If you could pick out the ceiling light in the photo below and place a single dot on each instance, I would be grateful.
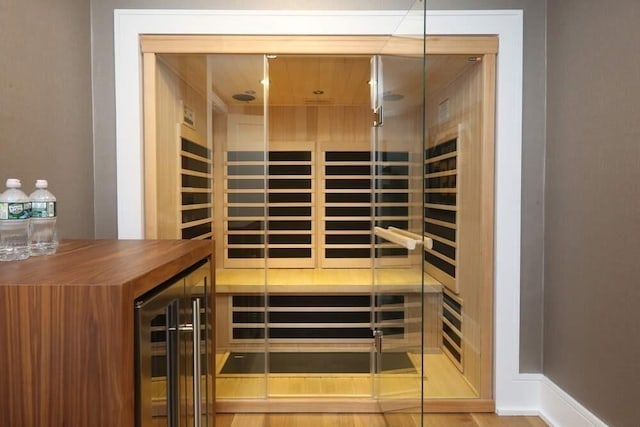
(245, 97)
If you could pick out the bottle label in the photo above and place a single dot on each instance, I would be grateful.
(15, 210)
(43, 209)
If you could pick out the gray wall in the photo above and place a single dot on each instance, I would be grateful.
(45, 104)
(533, 123)
(592, 214)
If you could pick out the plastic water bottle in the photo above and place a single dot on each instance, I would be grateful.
(15, 210)
(44, 239)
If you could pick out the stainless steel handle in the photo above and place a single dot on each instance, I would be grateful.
(172, 400)
(173, 386)
(197, 412)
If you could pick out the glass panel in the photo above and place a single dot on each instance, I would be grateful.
(398, 273)
(319, 244)
(239, 133)
(398, 290)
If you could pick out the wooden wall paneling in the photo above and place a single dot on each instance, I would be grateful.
(345, 125)
(172, 94)
(294, 123)
(466, 97)
(192, 81)
(312, 126)
(340, 128)
(150, 146)
(167, 136)
(452, 327)
(432, 306)
(291, 129)
(441, 167)
(350, 252)
(290, 123)
(487, 223)
(470, 267)
(219, 124)
(189, 72)
(245, 138)
(195, 196)
(190, 68)
(193, 97)
(223, 322)
(245, 132)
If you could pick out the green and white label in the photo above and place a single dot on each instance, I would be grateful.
(15, 210)
(43, 209)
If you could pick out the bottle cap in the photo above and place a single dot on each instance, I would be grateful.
(42, 183)
(13, 183)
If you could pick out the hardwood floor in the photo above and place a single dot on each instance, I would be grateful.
(374, 420)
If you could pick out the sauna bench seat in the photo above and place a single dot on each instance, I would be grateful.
(319, 281)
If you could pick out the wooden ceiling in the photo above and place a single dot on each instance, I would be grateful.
(320, 80)
(314, 80)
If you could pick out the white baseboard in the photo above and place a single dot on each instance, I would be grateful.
(559, 409)
(538, 396)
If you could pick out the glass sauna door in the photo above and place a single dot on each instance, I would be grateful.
(239, 132)
(397, 301)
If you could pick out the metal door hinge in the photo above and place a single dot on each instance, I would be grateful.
(376, 117)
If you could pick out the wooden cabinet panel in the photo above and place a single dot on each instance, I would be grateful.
(67, 332)
(59, 352)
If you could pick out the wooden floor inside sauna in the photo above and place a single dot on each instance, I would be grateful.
(441, 380)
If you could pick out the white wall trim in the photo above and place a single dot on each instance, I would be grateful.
(514, 393)
(559, 409)
(548, 401)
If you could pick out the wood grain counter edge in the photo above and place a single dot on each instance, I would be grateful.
(137, 265)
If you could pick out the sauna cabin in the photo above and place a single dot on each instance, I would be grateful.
(347, 198)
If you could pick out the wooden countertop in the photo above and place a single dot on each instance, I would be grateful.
(136, 264)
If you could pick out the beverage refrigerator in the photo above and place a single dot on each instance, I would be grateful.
(174, 350)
